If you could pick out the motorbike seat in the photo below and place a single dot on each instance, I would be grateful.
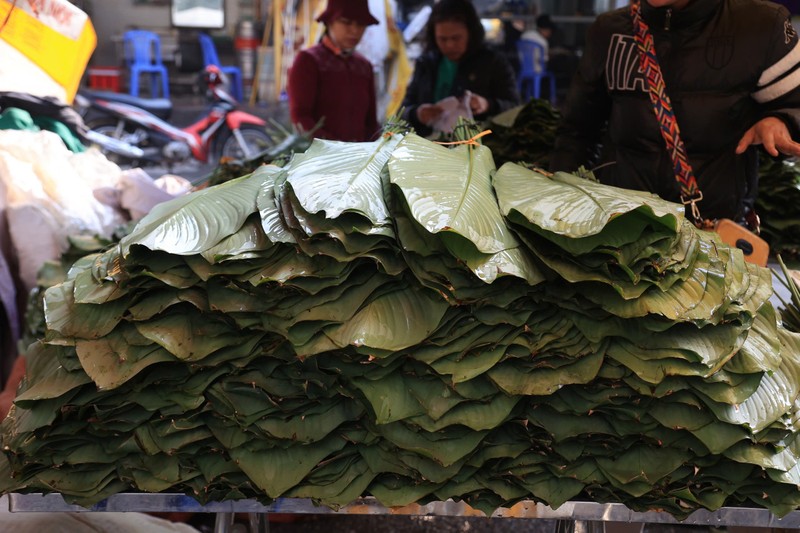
(160, 107)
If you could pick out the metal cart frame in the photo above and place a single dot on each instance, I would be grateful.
(572, 516)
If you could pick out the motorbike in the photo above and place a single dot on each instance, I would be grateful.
(135, 131)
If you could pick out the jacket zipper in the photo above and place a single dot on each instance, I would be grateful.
(668, 19)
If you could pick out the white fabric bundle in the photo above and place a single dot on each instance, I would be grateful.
(50, 193)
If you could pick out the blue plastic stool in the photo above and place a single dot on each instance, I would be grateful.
(533, 69)
(210, 57)
(143, 56)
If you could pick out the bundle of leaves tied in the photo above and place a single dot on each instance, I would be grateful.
(526, 133)
(778, 198)
(403, 320)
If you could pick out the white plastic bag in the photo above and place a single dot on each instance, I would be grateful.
(452, 109)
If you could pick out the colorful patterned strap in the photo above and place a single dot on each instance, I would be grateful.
(648, 61)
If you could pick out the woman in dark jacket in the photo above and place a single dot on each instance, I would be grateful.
(455, 61)
(732, 72)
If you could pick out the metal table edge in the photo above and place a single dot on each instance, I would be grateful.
(573, 510)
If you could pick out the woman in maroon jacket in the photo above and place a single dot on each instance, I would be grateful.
(331, 81)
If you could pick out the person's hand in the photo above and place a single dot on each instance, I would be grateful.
(478, 104)
(773, 133)
(428, 113)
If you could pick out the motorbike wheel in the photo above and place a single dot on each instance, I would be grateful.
(256, 140)
(109, 126)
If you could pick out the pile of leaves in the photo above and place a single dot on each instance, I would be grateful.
(54, 272)
(525, 133)
(404, 320)
(778, 198)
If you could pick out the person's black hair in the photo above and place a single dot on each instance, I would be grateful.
(455, 11)
(545, 22)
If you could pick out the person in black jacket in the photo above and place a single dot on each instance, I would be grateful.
(455, 61)
(732, 71)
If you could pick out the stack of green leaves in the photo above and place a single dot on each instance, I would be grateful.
(525, 133)
(401, 319)
(54, 272)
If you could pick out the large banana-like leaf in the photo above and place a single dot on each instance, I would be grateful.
(711, 346)
(465, 367)
(244, 244)
(488, 267)
(454, 197)
(643, 464)
(156, 302)
(556, 491)
(337, 177)
(355, 232)
(276, 470)
(397, 492)
(699, 297)
(474, 415)
(268, 208)
(450, 189)
(545, 380)
(111, 361)
(86, 321)
(573, 206)
(750, 452)
(93, 282)
(446, 447)
(339, 482)
(311, 427)
(52, 382)
(620, 237)
(761, 350)
(389, 398)
(190, 336)
(394, 321)
(438, 398)
(775, 395)
(198, 221)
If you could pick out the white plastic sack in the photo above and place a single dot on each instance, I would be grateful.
(62, 183)
(47, 193)
(95, 168)
(137, 193)
(374, 45)
(37, 237)
(88, 523)
(452, 109)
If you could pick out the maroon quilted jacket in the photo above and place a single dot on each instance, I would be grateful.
(325, 83)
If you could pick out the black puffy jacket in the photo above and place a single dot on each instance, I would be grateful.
(484, 72)
(726, 64)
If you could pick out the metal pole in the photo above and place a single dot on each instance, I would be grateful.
(224, 522)
(579, 526)
(259, 522)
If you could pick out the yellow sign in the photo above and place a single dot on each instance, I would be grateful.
(53, 34)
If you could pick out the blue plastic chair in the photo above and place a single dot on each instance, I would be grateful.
(210, 57)
(533, 69)
(143, 56)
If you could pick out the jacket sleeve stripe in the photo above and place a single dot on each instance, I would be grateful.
(779, 88)
(779, 69)
(781, 78)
